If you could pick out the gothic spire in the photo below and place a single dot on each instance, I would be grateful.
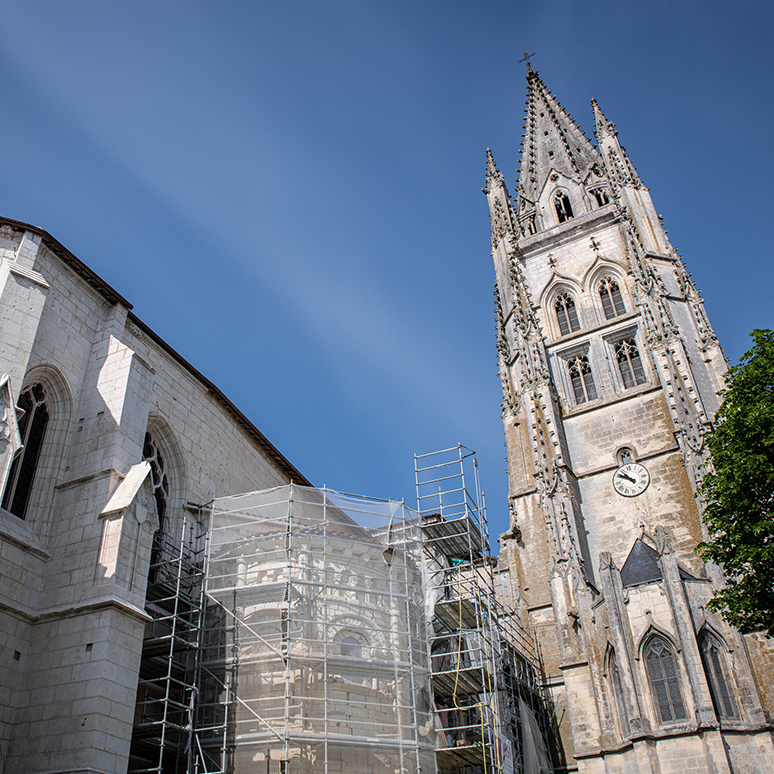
(493, 174)
(552, 142)
(619, 168)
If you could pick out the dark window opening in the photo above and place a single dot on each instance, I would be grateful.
(582, 380)
(600, 194)
(664, 680)
(32, 428)
(712, 658)
(629, 363)
(566, 314)
(612, 300)
(562, 206)
(159, 480)
(350, 646)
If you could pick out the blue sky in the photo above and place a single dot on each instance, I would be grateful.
(289, 193)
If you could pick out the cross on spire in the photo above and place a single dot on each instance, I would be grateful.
(526, 58)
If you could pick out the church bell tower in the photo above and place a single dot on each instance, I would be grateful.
(610, 371)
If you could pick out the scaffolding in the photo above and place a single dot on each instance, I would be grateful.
(485, 668)
(162, 735)
(315, 659)
(316, 632)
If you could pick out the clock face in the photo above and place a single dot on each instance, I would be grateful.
(631, 479)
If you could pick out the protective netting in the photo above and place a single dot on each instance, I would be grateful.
(315, 657)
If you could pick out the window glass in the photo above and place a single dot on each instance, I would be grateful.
(664, 680)
(612, 300)
(32, 428)
(629, 363)
(582, 379)
(566, 314)
(712, 658)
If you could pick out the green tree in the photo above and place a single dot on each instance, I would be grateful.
(738, 490)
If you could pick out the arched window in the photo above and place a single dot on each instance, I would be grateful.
(159, 479)
(600, 196)
(612, 300)
(562, 206)
(664, 680)
(351, 646)
(617, 688)
(629, 363)
(566, 314)
(712, 658)
(32, 428)
(581, 378)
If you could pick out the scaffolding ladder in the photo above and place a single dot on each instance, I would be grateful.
(485, 667)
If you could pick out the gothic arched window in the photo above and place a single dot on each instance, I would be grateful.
(32, 428)
(612, 300)
(562, 206)
(629, 363)
(566, 314)
(617, 688)
(581, 378)
(712, 658)
(664, 680)
(600, 196)
(159, 479)
(351, 646)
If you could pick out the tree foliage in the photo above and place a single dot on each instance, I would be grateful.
(738, 490)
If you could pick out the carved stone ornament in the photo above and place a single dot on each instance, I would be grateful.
(10, 439)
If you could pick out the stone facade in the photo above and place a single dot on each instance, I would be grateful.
(610, 372)
(75, 547)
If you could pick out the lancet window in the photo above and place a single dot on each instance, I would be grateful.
(582, 379)
(32, 428)
(562, 206)
(600, 196)
(612, 300)
(629, 363)
(712, 658)
(159, 479)
(566, 314)
(664, 680)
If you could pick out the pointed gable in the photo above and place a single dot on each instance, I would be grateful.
(641, 566)
(552, 141)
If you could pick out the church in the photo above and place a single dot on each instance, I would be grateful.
(610, 371)
(115, 448)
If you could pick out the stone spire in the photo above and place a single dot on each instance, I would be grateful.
(552, 142)
(619, 168)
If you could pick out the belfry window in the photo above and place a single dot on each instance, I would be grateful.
(629, 363)
(582, 380)
(601, 197)
(562, 206)
(32, 428)
(664, 680)
(159, 480)
(612, 300)
(566, 314)
(712, 658)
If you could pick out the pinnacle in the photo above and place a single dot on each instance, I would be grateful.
(493, 174)
(553, 142)
(601, 124)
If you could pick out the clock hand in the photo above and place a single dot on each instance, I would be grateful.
(628, 478)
